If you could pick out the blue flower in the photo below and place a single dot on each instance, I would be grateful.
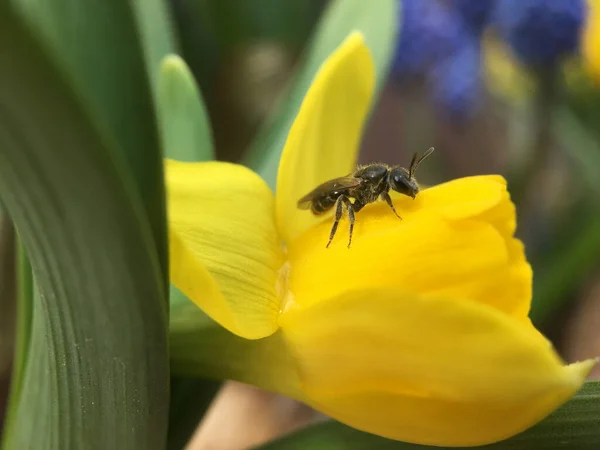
(429, 31)
(456, 81)
(441, 41)
(475, 13)
(540, 32)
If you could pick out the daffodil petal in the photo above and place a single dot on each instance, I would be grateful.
(483, 197)
(323, 142)
(455, 240)
(224, 248)
(424, 369)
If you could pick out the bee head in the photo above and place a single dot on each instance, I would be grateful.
(402, 180)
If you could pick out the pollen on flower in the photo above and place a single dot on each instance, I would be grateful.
(282, 287)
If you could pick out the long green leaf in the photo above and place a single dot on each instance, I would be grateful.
(96, 374)
(575, 426)
(98, 47)
(379, 25)
(157, 35)
(184, 122)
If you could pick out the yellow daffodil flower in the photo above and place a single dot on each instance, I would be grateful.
(418, 332)
(591, 40)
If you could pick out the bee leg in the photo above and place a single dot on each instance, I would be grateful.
(350, 207)
(385, 196)
(339, 205)
(357, 206)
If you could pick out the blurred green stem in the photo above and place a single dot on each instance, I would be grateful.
(190, 399)
(544, 102)
(568, 265)
(574, 250)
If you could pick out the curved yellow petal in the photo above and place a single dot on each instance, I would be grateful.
(455, 240)
(324, 140)
(426, 369)
(224, 248)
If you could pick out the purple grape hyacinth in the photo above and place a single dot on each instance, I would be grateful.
(429, 31)
(540, 32)
(457, 82)
(475, 13)
(435, 42)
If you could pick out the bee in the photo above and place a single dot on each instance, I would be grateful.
(363, 186)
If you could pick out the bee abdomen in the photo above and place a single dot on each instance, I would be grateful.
(323, 204)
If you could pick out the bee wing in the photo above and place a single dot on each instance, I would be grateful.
(305, 202)
(329, 187)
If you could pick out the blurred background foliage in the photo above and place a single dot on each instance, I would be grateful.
(498, 86)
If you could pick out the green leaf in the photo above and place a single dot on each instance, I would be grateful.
(157, 36)
(378, 24)
(183, 118)
(99, 49)
(575, 426)
(96, 374)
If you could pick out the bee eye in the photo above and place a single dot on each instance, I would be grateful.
(398, 179)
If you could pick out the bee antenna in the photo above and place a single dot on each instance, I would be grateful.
(415, 163)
